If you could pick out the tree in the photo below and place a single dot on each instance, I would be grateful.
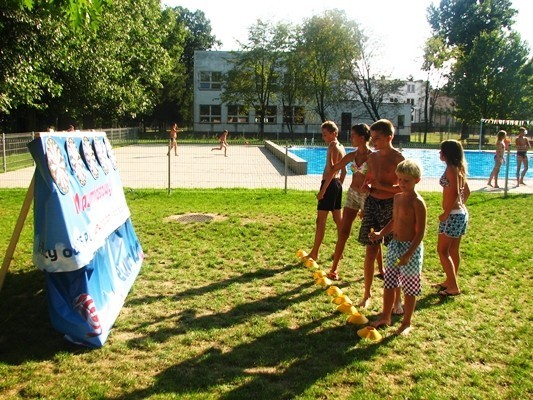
(184, 33)
(361, 79)
(78, 12)
(489, 75)
(460, 22)
(491, 81)
(328, 42)
(437, 64)
(254, 77)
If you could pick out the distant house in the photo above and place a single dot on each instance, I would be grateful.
(212, 116)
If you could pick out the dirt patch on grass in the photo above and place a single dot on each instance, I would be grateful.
(190, 218)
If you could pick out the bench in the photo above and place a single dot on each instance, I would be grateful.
(296, 164)
(476, 141)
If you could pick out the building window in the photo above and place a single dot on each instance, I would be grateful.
(238, 114)
(270, 115)
(411, 101)
(401, 121)
(293, 115)
(210, 114)
(410, 88)
(210, 80)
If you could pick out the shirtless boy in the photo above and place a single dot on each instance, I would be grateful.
(332, 197)
(382, 185)
(405, 252)
(522, 146)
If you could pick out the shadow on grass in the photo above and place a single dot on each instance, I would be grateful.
(26, 333)
(279, 365)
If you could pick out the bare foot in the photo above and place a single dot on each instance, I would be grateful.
(397, 310)
(489, 184)
(365, 303)
(381, 322)
(496, 187)
(403, 330)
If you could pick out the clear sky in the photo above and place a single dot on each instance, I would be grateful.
(400, 26)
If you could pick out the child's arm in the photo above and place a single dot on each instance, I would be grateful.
(341, 165)
(420, 230)
(466, 192)
(383, 232)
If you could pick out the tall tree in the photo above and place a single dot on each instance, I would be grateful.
(437, 64)
(460, 22)
(364, 79)
(491, 81)
(254, 78)
(325, 41)
(184, 33)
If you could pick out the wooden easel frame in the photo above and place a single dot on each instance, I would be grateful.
(16, 233)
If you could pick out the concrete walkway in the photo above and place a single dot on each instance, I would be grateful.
(197, 166)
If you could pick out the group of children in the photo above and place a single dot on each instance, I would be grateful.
(383, 192)
(522, 147)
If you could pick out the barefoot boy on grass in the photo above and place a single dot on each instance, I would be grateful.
(405, 251)
(381, 184)
(330, 199)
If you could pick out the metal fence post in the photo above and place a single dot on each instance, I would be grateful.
(507, 171)
(286, 162)
(4, 159)
(168, 156)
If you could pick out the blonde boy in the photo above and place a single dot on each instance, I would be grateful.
(405, 251)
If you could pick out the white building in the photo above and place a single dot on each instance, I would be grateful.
(212, 116)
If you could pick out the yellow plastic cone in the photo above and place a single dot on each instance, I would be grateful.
(310, 263)
(346, 308)
(323, 282)
(370, 333)
(319, 274)
(334, 291)
(301, 254)
(342, 299)
(357, 319)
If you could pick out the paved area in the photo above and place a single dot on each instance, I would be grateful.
(197, 166)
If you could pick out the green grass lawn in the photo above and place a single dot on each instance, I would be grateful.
(223, 310)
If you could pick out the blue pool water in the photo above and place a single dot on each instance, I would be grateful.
(480, 164)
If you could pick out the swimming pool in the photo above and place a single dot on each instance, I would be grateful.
(480, 164)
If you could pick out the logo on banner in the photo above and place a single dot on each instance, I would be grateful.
(84, 304)
(57, 166)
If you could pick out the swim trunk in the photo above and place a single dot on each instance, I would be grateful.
(455, 224)
(521, 154)
(355, 199)
(332, 198)
(408, 276)
(376, 214)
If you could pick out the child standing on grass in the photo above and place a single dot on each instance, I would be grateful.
(331, 186)
(355, 200)
(382, 185)
(498, 158)
(405, 251)
(454, 217)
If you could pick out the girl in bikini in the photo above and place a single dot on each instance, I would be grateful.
(454, 218)
(498, 159)
(355, 200)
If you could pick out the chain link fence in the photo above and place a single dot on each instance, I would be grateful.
(295, 163)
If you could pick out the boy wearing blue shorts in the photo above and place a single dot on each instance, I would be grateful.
(403, 268)
(331, 199)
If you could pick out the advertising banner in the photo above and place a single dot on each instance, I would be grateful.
(84, 240)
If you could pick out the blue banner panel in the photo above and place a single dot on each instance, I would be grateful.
(84, 240)
(85, 303)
